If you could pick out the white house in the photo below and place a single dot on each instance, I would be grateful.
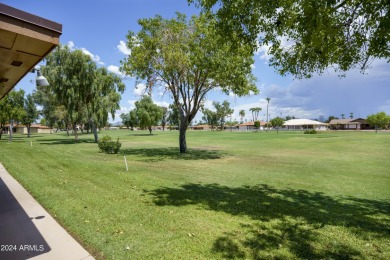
(303, 124)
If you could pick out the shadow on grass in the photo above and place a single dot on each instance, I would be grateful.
(286, 219)
(160, 154)
(65, 141)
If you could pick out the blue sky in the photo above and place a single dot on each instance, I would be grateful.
(99, 28)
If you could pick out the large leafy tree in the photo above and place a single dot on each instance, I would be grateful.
(102, 98)
(277, 122)
(189, 59)
(126, 119)
(379, 120)
(222, 111)
(148, 114)
(308, 36)
(210, 117)
(13, 108)
(3, 116)
(30, 113)
(173, 116)
(88, 93)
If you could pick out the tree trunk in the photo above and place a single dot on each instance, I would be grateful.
(182, 138)
(11, 125)
(150, 129)
(94, 130)
(28, 130)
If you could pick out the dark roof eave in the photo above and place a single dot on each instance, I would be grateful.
(30, 18)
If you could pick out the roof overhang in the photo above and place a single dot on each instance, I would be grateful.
(25, 39)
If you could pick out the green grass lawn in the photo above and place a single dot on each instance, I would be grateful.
(234, 195)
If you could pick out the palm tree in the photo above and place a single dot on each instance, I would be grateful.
(255, 112)
(351, 115)
(242, 114)
(268, 99)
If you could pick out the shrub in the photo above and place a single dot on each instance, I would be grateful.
(310, 132)
(107, 145)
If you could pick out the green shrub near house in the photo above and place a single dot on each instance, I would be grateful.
(310, 132)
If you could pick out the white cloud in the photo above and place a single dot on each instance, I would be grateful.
(70, 45)
(123, 48)
(139, 90)
(263, 50)
(161, 103)
(115, 69)
(131, 103)
(94, 57)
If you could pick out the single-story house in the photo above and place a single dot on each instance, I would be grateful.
(303, 124)
(34, 129)
(247, 126)
(200, 127)
(349, 124)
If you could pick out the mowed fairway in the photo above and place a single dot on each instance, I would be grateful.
(234, 195)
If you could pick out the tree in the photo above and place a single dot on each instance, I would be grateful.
(102, 98)
(268, 100)
(188, 58)
(379, 120)
(3, 116)
(242, 115)
(30, 113)
(277, 122)
(257, 124)
(148, 114)
(173, 116)
(88, 93)
(351, 115)
(13, 108)
(210, 117)
(306, 36)
(222, 111)
(164, 117)
(125, 119)
(255, 113)
(342, 116)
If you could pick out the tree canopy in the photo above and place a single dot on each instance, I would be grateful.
(277, 122)
(379, 120)
(87, 93)
(308, 36)
(148, 114)
(12, 109)
(187, 58)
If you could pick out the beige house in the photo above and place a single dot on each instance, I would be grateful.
(200, 127)
(34, 129)
(349, 124)
(249, 126)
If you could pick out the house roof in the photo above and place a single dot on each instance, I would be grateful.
(347, 121)
(251, 123)
(302, 122)
(25, 39)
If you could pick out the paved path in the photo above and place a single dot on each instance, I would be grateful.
(27, 231)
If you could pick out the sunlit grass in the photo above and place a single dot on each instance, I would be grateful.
(234, 195)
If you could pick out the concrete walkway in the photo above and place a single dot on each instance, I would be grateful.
(27, 231)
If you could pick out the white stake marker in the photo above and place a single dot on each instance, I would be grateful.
(127, 168)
